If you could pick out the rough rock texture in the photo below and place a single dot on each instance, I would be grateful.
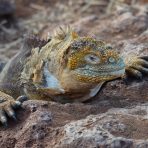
(116, 118)
(44, 124)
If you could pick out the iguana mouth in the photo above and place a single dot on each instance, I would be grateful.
(102, 72)
(90, 76)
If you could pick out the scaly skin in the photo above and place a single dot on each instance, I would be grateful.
(67, 68)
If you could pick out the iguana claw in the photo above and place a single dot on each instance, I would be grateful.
(137, 66)
(8, 105)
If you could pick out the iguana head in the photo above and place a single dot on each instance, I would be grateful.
(88, 59)
(92, 61)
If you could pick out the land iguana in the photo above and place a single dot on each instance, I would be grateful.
(65, 68)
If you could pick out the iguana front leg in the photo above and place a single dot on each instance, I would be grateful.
(136, 66)
(7, 106)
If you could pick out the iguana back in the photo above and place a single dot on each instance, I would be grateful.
(10, 73)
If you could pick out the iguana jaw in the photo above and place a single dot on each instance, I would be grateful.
(99, 73)
(96, 77)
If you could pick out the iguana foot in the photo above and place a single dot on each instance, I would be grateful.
(8, 105)
(136, 66)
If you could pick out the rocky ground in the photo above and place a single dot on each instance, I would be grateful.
(118, 116)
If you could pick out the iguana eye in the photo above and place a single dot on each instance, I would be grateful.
(111, 60)
(109, 47)
(93, 59)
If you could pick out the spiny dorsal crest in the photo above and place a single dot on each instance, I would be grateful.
(62, 32)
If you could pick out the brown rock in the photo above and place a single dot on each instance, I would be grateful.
(44, 124)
